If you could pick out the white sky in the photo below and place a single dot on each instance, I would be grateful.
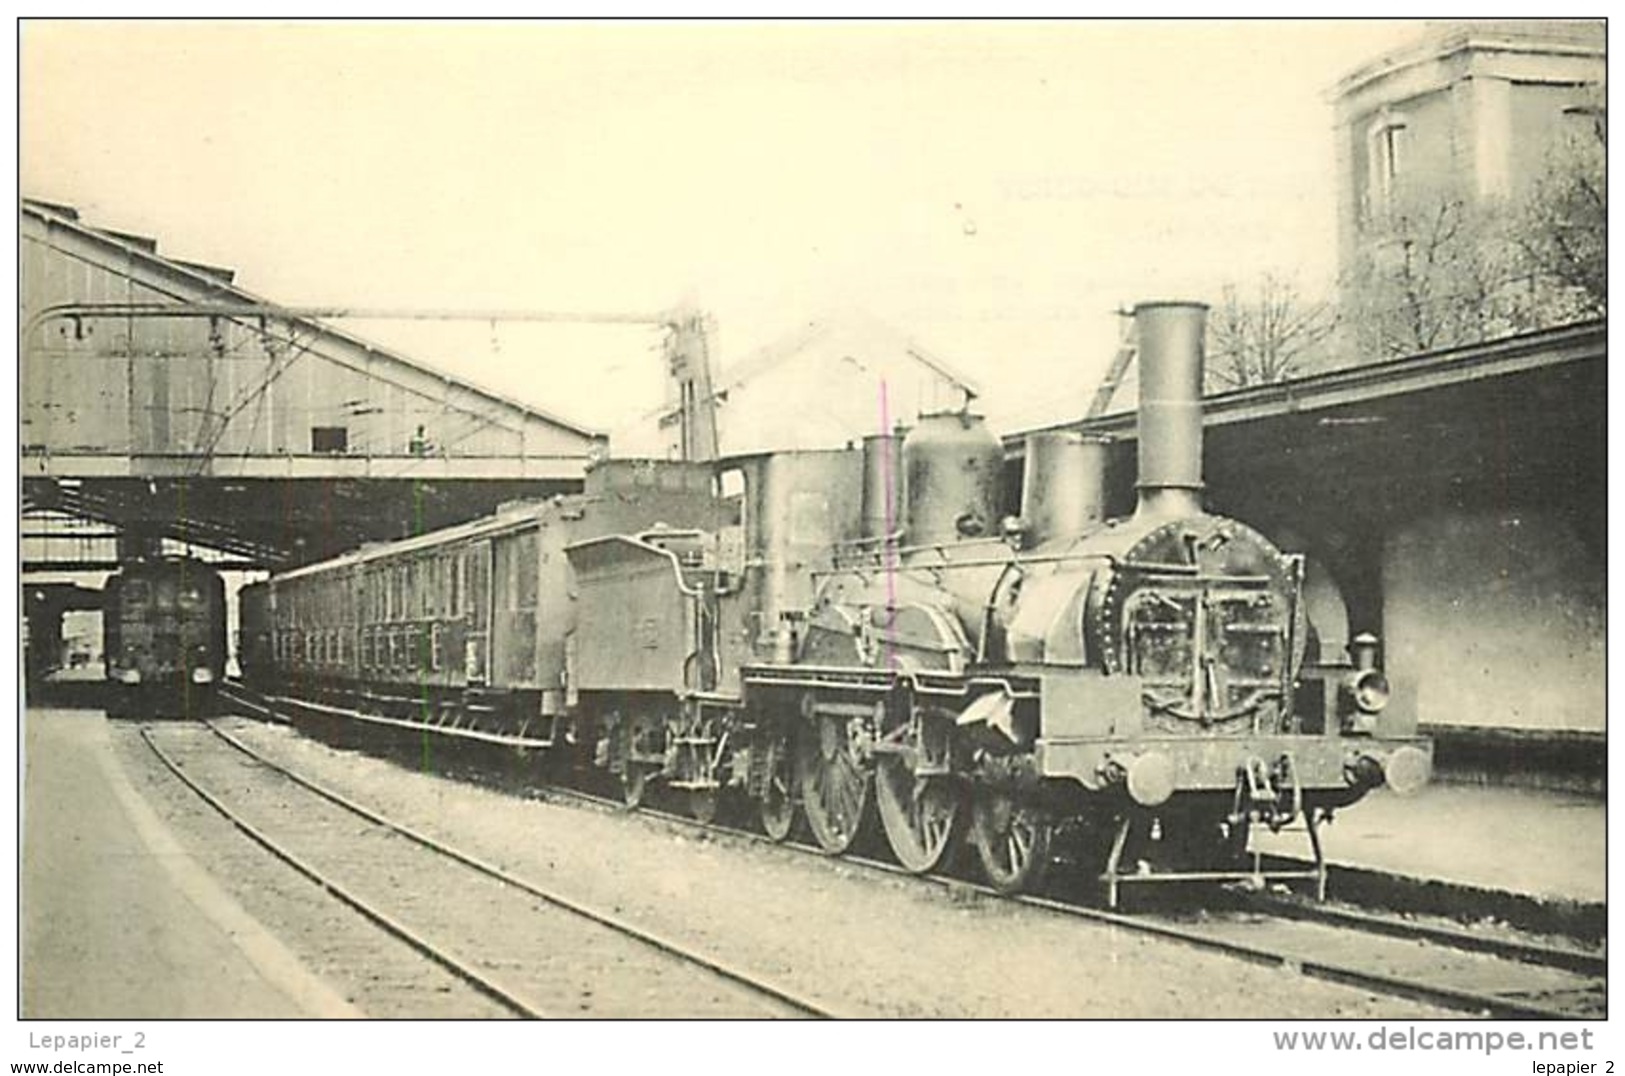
(995, 190)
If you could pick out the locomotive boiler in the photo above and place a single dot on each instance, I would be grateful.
(859, 634)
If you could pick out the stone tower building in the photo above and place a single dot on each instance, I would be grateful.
(1470, 110)
(1470, 115)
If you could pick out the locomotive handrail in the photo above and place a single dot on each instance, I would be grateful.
(671, 532)
(1192, 572)
(982, 562)
(871, 540)
(648, 547)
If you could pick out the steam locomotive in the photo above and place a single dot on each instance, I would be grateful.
(164, 637)
(848, 634)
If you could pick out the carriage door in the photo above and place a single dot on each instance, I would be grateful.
(513, 620)
(476, 567)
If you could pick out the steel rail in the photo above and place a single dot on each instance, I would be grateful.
(1550, 956)
(1493, 1005)
(486, 984)
(656, 941)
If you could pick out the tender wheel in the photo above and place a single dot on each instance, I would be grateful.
(1012, 841)
(921, 815)
(834, 784)
(778, 803)
(634, 784)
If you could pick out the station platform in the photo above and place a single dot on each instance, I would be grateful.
(1546, 846)
(118, 922)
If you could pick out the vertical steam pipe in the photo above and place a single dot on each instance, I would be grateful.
(1170, 418)
(882, 483)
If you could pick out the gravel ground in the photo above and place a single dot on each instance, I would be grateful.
(373, 971)
(862, 944)
(553, 960)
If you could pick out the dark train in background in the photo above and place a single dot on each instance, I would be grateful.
(851, 633)
(164, 637)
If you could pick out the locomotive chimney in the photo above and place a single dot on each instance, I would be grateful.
(1170, 418)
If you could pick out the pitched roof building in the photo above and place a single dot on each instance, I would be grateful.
(268, 435)
(835, 380)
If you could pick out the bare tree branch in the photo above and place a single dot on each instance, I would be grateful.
(1271, 334)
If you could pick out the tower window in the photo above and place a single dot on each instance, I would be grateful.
(1386, 148)
(1390, 153)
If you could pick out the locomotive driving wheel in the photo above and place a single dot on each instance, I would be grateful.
(778, 804)
(1012, 841)
(834, 782)
(920, 814)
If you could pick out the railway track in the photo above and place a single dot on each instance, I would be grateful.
(526, 949)
(1503, 978)
(1453, 968)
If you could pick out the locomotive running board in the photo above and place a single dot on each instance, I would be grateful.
(881, 681)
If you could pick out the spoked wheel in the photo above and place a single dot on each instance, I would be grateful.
(778, 803)
(702, 804)
(834, 785)
(1012, 841)
(634, 784)
(921, 815)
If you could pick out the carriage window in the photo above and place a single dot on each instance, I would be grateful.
(525, 571)
(453, 596)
